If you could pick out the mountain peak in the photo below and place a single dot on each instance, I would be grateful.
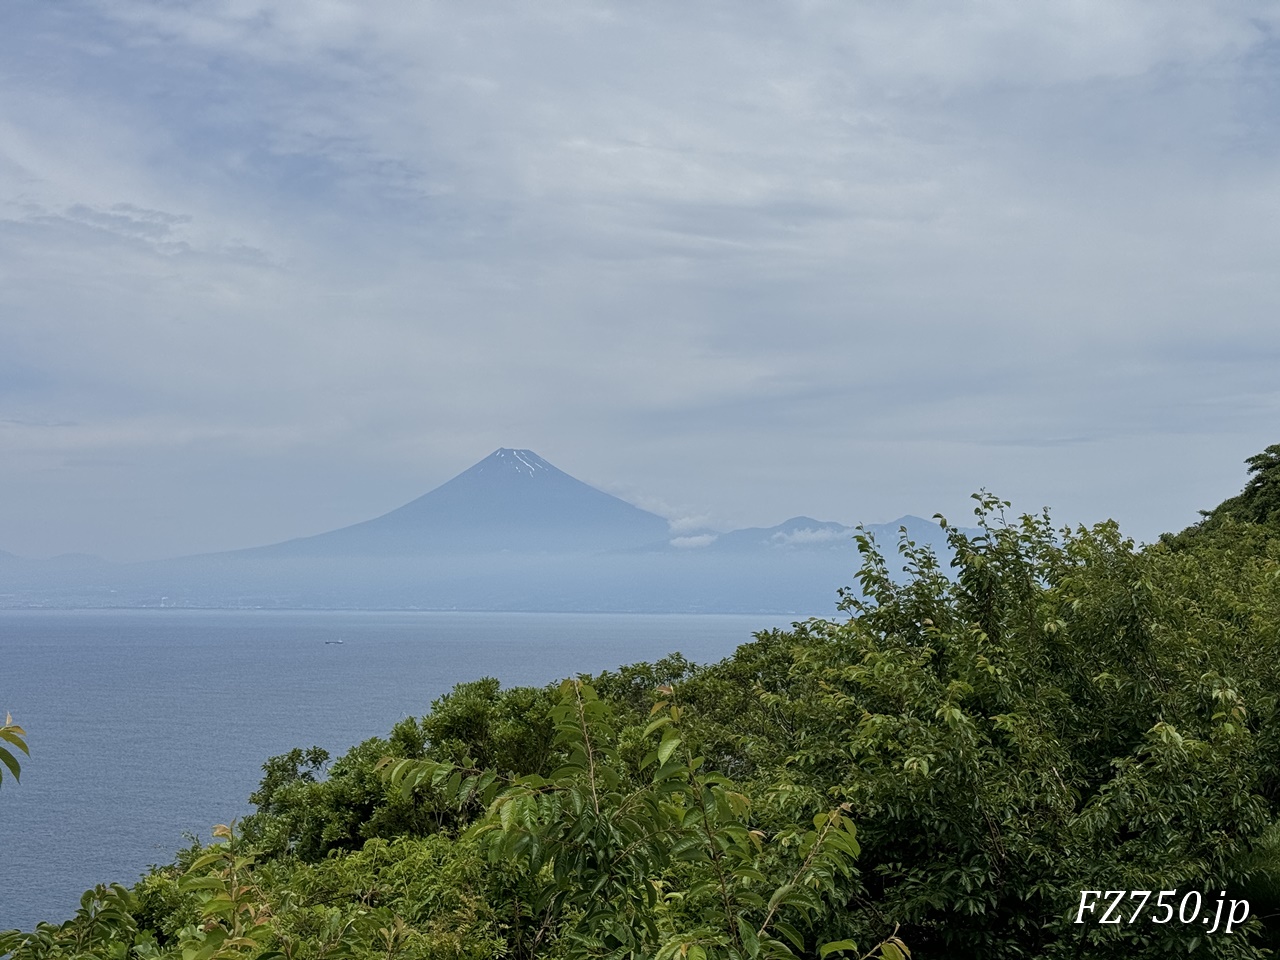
(519, 461)
(512, 500)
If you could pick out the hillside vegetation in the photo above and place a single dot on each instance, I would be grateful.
(942, 772)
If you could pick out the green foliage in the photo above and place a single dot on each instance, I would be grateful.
(15, 737)
(728, 722)
(667, 866)
(232, 909)
(103, 927)
(409, 897)
(309, 808)
(1253, 514)
(1068, 712)
(506, 730)
(307, 817)
(1060, 711)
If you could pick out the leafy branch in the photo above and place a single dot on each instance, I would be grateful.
(15, 736)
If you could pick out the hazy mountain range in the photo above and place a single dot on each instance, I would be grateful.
(510, 533)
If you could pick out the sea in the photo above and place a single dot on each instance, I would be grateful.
(148, 727)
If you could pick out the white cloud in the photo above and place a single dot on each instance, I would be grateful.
(685, 524)
(693, 543)
(891, 241)
(809, 535)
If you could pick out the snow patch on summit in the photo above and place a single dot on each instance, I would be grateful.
(521, 461)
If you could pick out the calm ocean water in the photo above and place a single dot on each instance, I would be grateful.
(147, 725)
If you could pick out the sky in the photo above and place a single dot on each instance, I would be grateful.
(269, 268)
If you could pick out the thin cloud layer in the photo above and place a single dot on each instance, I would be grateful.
(270, 268)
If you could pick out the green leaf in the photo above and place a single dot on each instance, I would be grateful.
(790, 932)
(201, 883)
(14, 736)
(749, 938)
(10, 761)
(781, 896)
(836, 946)
(656, 725)
(666, 748)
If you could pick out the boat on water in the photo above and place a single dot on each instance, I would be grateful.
(333, 641)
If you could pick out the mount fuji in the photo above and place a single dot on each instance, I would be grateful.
(512, 500)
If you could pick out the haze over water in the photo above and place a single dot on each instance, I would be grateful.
(148, 725)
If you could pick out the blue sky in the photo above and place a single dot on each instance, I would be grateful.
(271, 268)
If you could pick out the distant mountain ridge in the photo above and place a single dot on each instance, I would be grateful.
(512, 532)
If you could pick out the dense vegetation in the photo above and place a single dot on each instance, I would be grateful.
(944, 770)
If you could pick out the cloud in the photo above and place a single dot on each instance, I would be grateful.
(685, 524)
(809, 535)
(679, 519)
(739, 262)
(693, 543)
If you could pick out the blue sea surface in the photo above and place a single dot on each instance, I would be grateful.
(148, 725)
